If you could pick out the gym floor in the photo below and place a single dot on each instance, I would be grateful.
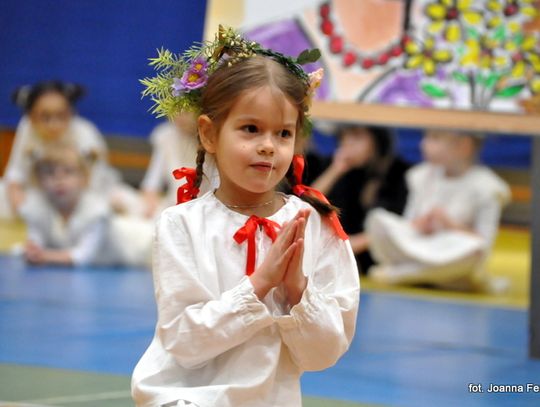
(71, 337)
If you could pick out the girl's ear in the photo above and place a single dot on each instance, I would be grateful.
(207, 133)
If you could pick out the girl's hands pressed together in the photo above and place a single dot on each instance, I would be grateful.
(294, 280)
(284, 255)
(270, 273)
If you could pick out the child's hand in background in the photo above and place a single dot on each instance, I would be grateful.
(341, 161)
(423, 224)
(34, 253)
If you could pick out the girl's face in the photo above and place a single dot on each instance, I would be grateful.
(358, 145)
(255, 144)
(50, 116)
(63, 182)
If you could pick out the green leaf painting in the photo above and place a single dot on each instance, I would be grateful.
(460, 77)
(434, 91)
(509, 91)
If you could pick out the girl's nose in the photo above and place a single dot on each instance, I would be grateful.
(266, 145)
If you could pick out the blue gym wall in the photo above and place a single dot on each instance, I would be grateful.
(103, 44)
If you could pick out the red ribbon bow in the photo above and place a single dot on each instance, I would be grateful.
(247, 232)
(299, 189)
(188, 191)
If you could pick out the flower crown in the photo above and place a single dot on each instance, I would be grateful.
(178, 85)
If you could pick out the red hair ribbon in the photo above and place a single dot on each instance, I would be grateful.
(247, 232)
(188, 191)
(299, 189)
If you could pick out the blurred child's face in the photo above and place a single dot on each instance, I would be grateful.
(358, 144)
(436, 147)
(63, 182)
(256, 142)
(50, 116)
(186, 122)
(446, 148)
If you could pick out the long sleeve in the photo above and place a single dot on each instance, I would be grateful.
(320, 328)
(86, 249)
(153, 178)
(34, 235)
(193, 325)
(486, 222)
(413, 179)
(493, 194)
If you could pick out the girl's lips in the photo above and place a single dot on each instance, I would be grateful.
(262, 166)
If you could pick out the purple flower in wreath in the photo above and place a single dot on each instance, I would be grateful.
(177, 87)
(199, 64)
(195, 77)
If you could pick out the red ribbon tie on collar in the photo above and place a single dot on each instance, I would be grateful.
(248, 231)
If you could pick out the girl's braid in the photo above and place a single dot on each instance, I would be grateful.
(201, 154)
(323, 208)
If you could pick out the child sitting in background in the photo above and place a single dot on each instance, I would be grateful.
(450, 221)
(174, 145)
(67, 223)
(365, 173)
(50, 117)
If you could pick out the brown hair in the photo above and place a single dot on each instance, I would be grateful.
(226, 85)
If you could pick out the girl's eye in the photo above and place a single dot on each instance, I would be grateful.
(286, 133)
(251, 128)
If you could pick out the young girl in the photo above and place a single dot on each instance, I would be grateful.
(68, 224)
(365, 173)
(174, 146)
(50, 118)
(451, 219)
(253, 287)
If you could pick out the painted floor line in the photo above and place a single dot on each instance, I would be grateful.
(110, 395)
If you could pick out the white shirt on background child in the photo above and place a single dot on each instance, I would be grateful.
(85, 234)
(92, 233)
(474, 199)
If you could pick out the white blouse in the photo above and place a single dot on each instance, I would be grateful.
(215, 343)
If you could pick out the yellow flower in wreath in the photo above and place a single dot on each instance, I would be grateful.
(448, 15)
(425, 56)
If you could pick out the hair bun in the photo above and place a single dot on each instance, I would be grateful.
(73, 91)
(25, 96)
(21, 95)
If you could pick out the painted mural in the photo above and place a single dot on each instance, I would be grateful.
(460, 54)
